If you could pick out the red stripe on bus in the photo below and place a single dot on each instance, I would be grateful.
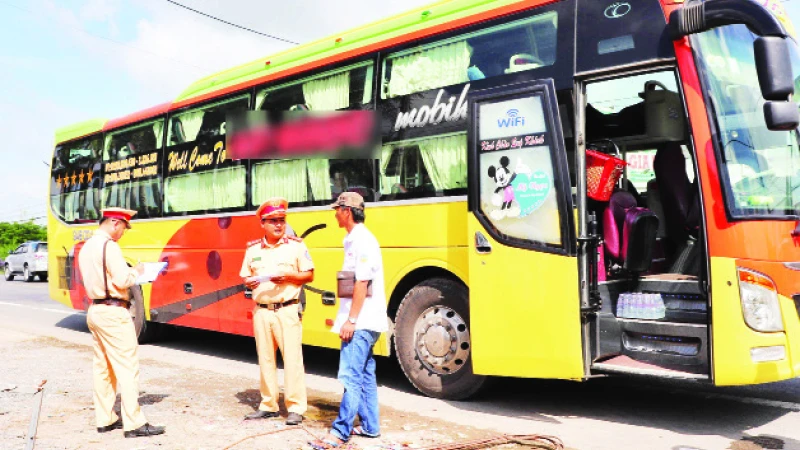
(145, 114)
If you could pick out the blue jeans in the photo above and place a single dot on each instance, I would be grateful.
(357, 374)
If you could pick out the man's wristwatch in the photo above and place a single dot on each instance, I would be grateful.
(352, 320)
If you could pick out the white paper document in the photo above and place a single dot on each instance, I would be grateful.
(151, 271)
(260, 278)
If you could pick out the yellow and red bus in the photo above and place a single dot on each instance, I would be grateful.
(564, 189)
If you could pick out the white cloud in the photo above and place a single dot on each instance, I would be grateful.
(147, 62)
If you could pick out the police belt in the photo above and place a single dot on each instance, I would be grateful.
(274, 306)
(112, 302)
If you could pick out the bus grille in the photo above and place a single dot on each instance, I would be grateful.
(64, 271)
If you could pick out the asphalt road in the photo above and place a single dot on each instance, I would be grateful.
(603, 413)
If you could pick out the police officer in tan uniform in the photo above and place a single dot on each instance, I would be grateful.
(107, 278)
(275, 268)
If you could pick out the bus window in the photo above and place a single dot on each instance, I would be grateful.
(430, 167)
(518, 46)
(760, 170)
(306, 182)
(75, 182)
(198, 175)
(206, 122)
(346, 88)
(353, 175)
(131, 169)
(517, 183)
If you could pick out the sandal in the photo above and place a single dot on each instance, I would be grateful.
(324, 444)
(358, 430)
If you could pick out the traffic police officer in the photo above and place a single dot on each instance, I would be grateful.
(107, 278)
(275, 267)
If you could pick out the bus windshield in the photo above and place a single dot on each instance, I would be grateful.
(760, 169)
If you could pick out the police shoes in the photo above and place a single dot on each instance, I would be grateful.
(114, 426)
(294, 419)
(145, 430)
(261, 415)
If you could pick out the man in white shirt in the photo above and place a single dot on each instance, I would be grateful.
(359, 322)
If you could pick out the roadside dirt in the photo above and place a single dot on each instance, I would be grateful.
(201, 409)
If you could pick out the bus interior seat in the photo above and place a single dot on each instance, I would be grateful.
(126, 151)
(213, 123)
(654, 204)
(629, 233)
(147, 142)
(523, 61)
(681, 208)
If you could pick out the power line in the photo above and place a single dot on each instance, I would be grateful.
(232, 24)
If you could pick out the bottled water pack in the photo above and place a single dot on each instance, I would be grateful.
(638, 305)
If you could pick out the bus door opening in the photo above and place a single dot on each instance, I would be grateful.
(651, 261)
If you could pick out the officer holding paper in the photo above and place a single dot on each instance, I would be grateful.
(275, 267)
(107, 278)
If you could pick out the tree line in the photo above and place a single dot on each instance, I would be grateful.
(13, 234)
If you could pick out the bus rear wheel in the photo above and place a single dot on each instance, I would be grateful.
(145, 331)
(432, 340)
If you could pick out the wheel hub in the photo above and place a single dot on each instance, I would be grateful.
(442, 340)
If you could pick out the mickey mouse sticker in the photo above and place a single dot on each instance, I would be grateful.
(518, 192)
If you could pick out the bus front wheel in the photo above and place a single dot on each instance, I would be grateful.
(432, 340)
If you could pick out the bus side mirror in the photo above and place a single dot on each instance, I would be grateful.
(774, 67)
(775, 78)
(781, 116)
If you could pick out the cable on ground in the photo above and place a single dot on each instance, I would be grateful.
(537, 441)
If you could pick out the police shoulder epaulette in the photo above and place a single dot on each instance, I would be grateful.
(253, 242)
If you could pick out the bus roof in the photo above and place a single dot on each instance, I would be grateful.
(412, 25)
(78, 130)
(416, 24)
(137, 116)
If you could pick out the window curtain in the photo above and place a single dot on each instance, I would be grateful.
(107, 147)
(429, 69)
(387, 181)
(319, 178)
(191, 122)
(367, 97)
(260, 98)
(70, 201)
(280, 178)
(445, 159)
(158, 130)
(329, 93)
(116, 195)
(215, 189)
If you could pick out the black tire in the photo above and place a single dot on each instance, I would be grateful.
(7, 273)
(439, 309)
(145, 331)
(43, 277)
(27, 275)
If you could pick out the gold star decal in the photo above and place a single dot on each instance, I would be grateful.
(89, 175)
(80, 177)
(58, 180)
(74, 178)
(66, 180)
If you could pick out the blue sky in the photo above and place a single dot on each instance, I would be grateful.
(66, 61)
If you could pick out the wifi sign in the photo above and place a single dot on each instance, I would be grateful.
(513, 119)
